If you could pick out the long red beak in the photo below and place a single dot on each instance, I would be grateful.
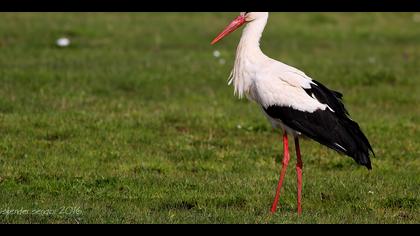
(236, 23)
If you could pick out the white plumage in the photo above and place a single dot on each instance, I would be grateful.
(267, 81)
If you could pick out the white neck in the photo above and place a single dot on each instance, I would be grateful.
(248, 56)
(252, 33)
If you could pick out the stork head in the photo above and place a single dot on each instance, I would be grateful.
(244, 17)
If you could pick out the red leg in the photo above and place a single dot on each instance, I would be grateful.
(299, 166)
(286, 158)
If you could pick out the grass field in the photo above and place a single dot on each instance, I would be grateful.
(134, 122)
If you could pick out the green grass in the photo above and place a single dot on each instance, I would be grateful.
(134, 121)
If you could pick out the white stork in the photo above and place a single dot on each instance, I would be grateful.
(292, 101)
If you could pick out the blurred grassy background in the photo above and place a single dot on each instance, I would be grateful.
(134, 121)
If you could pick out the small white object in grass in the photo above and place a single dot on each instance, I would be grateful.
(372, 60)
(370, 192)
(416, 17)
(63, 42)
(216, 53)
(239, 126)
(222, 61)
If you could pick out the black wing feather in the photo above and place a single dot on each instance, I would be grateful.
(326, 96)
(332, 129)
